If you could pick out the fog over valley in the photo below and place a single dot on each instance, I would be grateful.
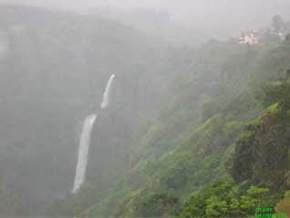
(144, 108)
(202, 19)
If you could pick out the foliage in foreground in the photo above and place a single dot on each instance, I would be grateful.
(226, 198)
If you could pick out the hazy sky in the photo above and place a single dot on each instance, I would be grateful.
(180, 8)
(209, 13)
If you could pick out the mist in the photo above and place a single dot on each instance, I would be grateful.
(218, 19)
(147, 108)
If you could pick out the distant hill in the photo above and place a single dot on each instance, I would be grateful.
(54, 67)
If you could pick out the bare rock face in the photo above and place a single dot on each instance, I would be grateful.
(262, 152)
(271, 152)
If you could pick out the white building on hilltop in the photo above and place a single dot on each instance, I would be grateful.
(249, 38)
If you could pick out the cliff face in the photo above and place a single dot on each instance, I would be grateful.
(262, 151)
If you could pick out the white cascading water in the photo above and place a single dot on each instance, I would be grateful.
(107, 93)
(83, 151)
(85, 139)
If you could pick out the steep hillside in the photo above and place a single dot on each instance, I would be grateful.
(221, 147)
(191, 132)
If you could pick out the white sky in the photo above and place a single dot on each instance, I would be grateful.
(211, 13)
(179, 7)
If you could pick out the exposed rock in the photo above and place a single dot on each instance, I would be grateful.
(261, 154)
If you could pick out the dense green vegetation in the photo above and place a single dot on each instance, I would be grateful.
(220, 148)
(226, 199)
(195, 132)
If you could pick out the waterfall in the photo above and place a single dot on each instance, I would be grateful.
(107, 93)
(85, 139)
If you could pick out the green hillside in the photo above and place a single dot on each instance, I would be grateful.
(220, 146)
(192, 132)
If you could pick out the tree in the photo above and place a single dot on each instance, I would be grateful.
(225, 199)
(278, 91)
(278, 23)
(216, 207)
(252, 199)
